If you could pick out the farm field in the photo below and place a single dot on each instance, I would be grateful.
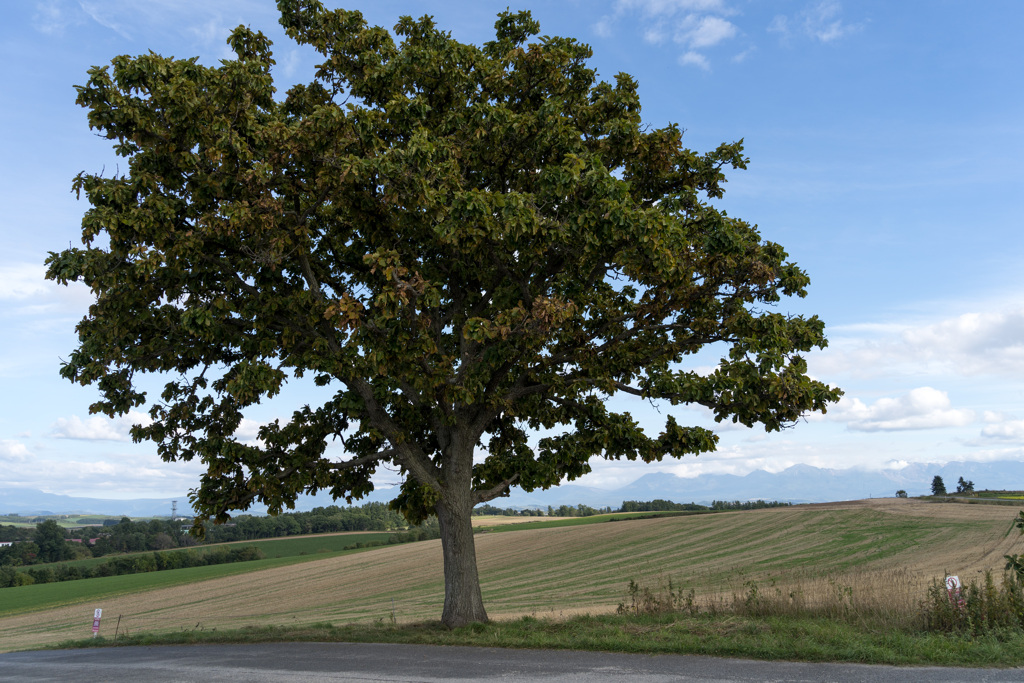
(884, 549)
(505, 520)
(278, 551)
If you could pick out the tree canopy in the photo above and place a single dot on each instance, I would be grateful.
(964, 486)
(469, 248)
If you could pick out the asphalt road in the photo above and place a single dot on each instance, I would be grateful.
(427, 664)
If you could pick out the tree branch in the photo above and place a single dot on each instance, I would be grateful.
(356, 462)
(494, 492)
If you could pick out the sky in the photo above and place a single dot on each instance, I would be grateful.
(885, 143)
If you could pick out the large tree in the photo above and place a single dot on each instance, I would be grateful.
(50, 537)
(469, 249)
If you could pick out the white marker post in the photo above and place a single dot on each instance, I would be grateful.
(953, 587)
(97, 615)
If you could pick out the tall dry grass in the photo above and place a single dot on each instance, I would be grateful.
(880, 599)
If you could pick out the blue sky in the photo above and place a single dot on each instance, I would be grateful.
(885, 142)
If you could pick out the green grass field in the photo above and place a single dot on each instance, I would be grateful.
(313, 545)
(46, 595)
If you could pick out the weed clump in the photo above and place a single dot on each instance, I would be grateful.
(976, 609)
(642, 600)
(875, 602)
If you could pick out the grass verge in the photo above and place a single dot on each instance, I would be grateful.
(803, 639)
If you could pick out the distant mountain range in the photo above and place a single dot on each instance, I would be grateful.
(29, 502)
(798, 484)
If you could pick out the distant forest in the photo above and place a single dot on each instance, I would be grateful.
(656, 505)
(49, 542)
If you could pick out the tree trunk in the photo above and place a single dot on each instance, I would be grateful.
(463, 603)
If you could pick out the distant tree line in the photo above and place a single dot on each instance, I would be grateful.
(580, 510)
(656, 505)
(131, 564)
(11, 575)
(16, 533)
(963, 486)
(747, 504)
(487, 509)
(50, 542)
(319, 520)
(560, 511)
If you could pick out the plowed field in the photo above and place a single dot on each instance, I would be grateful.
(576, 569)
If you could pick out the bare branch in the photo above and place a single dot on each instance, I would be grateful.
(494, 492)
(366, 459)
(307, 272)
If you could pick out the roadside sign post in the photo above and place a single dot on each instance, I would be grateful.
(953, 590)
(97, 615)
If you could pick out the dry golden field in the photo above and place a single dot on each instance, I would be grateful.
(883, 551)
(502, 520)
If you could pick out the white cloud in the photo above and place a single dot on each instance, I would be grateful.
(820, 21)
(102, 428)
(12, 451)
(921, 408)
(49, 18)
(24, 290)
(780, 25)
(991, 455)
(1011, 430)
(692, 58)
(972, 344)
(206, 22)
(699, 32)
(669, 7)
(99, 427)
(977, 343)
(742, 56)
(695, 24)
(603, 28)
(96, 13)
(248, 432)
(655, 34)
(289, 64)
(24, 281)
(124, 476)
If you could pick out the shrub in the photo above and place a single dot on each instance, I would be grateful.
(7, 576)
(980, 608)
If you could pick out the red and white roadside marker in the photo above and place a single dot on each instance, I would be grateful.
(97, 615)
(953, 589)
